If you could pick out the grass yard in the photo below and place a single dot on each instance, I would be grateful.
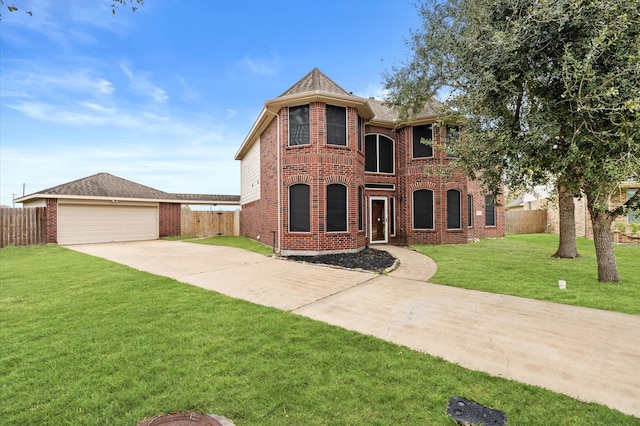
(85, 341)
(229, 241)
(521, 265)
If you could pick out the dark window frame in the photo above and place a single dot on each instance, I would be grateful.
(490, 211)
(469, 211)
(336, 125)
(422, 221)
(301, 134)
(454, 216)
(419, 149)
(299, 212)
(337, 209)
(381, 142)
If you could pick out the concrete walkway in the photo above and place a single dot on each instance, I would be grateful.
(585, 353)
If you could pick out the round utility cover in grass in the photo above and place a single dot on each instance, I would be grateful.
(187, 419)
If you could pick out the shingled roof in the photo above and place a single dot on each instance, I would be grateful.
(105, 185)
(315, 81)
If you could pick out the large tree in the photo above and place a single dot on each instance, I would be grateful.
(547, 90)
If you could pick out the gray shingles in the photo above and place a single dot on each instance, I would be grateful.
(315, 81)
(107, 185)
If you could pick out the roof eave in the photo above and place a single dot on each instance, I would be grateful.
(39, 196)
(273, 106)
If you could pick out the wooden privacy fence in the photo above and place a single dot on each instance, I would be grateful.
(22, 227)
(209, 223)
(526, 221)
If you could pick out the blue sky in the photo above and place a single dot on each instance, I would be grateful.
(164, 96)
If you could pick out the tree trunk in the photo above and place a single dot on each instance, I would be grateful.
(601, 223)
(567, 248)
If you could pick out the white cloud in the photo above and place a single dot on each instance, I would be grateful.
(54, 82)
(373, 90)
(140, 83)
(260, 66)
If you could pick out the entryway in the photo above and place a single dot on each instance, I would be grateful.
(378, 220)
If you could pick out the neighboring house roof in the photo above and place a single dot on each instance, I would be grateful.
(317, 87)
(107, 186)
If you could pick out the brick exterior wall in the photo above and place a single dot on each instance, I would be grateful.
(52, 220)
(319, 165)
(169, 219)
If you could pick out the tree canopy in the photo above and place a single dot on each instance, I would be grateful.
(546, 90)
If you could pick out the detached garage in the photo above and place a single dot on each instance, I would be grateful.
(87, 223)
(105, 208)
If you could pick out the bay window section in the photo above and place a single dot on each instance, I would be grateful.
(336, 125)
(336, 208)
(423, 209)
(299, 213)
(299, 125)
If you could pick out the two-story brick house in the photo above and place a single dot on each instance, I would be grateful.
(324, 171)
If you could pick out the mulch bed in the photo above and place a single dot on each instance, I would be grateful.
(368, 259)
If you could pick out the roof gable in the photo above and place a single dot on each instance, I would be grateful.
(106, 185)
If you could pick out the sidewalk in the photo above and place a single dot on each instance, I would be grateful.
(588, 354)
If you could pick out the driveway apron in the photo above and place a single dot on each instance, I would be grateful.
(588, 354)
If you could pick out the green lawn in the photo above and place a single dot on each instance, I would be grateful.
(85, 341)
(521, 265)
(228, 241)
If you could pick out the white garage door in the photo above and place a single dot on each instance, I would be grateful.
(82, 224)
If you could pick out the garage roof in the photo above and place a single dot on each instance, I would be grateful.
(109, 187)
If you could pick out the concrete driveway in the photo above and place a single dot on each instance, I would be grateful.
(585, 353)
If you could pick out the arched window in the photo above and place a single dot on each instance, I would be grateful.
(378, 154)
(454, 216)
(336, 208)
(423, 209)
(299, 215)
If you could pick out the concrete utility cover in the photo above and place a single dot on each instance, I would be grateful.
(187, 419)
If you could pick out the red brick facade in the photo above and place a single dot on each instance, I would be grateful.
(169, 219)
(52, 220)
(319, 164)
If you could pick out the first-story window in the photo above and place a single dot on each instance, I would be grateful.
(469, 210)
(423, 209)
(299, 214)
(489, 210)
(454, 216)
(360, 208)
(336, 208)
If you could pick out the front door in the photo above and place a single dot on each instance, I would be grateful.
(378, 219)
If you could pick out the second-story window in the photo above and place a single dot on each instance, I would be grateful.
(378, 154)
(422, 138)
(336, 125)
(299, 125)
